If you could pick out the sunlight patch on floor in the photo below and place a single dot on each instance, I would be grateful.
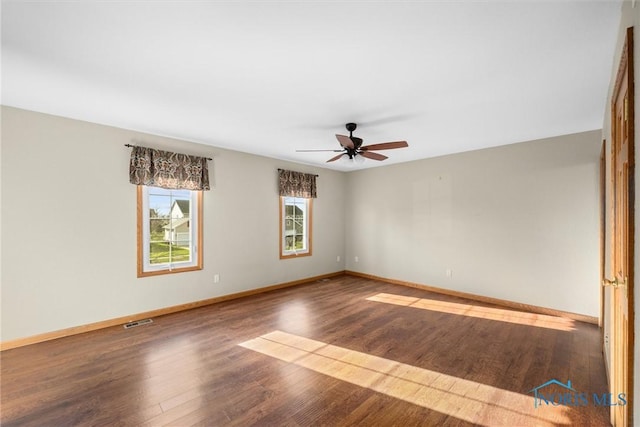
(490, 313)
(464, 399)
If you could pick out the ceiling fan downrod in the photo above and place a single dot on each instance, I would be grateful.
(351, 127)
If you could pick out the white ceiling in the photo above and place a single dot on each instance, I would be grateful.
(275, 76)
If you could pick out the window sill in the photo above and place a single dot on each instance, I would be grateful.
(172, 271)
(295, 255)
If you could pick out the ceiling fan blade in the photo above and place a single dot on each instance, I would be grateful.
(312, 151)
(345, 141)
(333, 159)
(386, 145)
(373, 156)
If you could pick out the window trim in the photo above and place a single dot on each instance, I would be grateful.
(197, 263)
(295, 254)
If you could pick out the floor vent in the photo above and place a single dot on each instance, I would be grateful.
(137, 323)
(324, 280)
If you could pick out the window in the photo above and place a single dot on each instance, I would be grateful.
(169, 231)
(295, 227)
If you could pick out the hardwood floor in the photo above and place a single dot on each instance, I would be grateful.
(345, 351)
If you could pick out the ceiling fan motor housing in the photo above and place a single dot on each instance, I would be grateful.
(357, 142)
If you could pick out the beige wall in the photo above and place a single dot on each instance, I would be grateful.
(517, 222)
(630, 18)
(69, 236)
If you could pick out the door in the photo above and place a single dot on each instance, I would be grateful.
(620, 276)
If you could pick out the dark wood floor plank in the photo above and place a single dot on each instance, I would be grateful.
(436, 362)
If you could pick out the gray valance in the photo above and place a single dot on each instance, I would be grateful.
(157, 168)
(297, 184)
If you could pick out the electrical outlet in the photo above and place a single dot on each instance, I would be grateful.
(356, 259)
(216, 278)
(338, 258)
(449, 273)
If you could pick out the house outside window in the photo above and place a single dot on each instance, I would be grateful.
(177, 230)
(169, 230)
(295, 227)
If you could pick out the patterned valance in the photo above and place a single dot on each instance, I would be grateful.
(157, 168)
(297, 184)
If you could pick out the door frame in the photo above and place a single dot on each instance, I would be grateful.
(603, 234)
(626, 63)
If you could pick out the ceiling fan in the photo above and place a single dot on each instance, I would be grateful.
(352, 147)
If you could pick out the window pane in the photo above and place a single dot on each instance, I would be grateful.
(157, 229)
(159, 253)
(295, 227)
(288, 243)
(159, 204)
(169, 224)
(180, 254)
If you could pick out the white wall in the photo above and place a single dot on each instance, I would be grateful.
(69, 226)
(630, 17)
(518, 222)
